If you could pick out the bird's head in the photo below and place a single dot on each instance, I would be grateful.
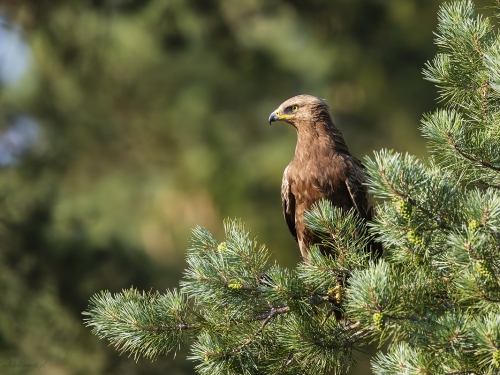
(300, 109)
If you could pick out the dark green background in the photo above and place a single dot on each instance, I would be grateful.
(154, 117)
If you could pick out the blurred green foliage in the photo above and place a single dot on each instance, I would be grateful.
(154, 118)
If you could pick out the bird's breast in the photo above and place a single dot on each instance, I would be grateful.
(317, 173)
(316, 178)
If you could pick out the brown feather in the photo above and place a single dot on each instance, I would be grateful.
(322, 168)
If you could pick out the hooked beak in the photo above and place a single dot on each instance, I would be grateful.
(273, 117)
(277, 116)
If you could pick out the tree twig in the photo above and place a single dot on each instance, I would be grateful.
(482, 163)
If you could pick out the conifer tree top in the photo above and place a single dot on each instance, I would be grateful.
(435, 295)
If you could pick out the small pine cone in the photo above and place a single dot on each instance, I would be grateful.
(496, 358)
(484, 270)
(473, 225)
(234, 286)
(336, 293)
(222, 246)
(404, 209)
(415, 238)
(379, 321)
(338, 296)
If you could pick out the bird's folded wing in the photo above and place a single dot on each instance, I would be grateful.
(355, 182)
(288, 202)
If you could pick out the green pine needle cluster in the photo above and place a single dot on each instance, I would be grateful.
(142, 323)
(434, 296)
(244, 314)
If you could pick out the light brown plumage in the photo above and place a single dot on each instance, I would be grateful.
(322, 167)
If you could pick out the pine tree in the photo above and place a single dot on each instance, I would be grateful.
(435, 295)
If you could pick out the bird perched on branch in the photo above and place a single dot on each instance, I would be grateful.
(322, 168)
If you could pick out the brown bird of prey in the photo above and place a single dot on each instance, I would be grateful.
(322, 167)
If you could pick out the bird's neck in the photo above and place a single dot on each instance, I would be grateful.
(320, 135)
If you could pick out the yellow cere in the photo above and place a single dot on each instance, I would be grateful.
(284, 117)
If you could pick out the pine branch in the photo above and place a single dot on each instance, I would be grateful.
(266, 319)
(482, 163)
(434, 296)
(146, 324)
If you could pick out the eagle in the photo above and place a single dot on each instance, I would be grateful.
(322, 168)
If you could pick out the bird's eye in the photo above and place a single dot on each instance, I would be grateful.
(295, 108)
